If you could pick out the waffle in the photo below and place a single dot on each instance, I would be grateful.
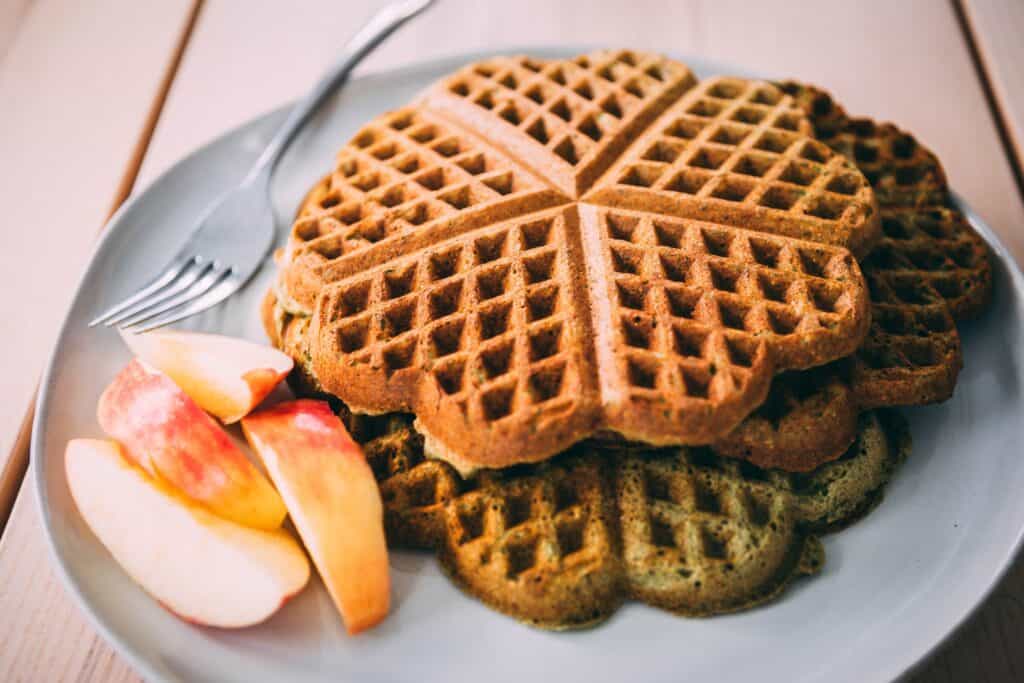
(742, 153)
(925, 236)
(563, 543)
(406, 180)
(808, 419)
(901, 171)
(570, 118)
(448, 267)
(929, 269)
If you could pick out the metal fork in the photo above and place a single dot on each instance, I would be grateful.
(235, 233)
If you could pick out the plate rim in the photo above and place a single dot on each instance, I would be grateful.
(915, 659)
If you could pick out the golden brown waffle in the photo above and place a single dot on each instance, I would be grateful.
(449, 271)
(929, 269)
(569, 118)
(741, 153)
(487, 337)
(696, 312)
(562, 544)
(481, 336)
(808, 419)
(406, 180)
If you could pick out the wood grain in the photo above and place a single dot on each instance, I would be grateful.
(45, 636)
(66, 147)
(997, 27)
(905, 61)
(215, 90)
(11, 14)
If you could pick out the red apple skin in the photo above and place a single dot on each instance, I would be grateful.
(172, 438)
(334, 502)
(226, 376)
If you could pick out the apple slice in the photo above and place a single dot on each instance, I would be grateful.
(165, 432)
(202, 568)
(333, 500)
(224, 375)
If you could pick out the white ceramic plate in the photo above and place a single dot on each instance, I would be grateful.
(894, 586)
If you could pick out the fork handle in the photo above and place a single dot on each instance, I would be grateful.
(373, 33)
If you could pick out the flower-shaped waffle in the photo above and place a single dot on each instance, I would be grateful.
(539, 251)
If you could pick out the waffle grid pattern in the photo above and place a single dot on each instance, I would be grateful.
(484, 315)
(697, 302)
(526, 526)
(492, 349)
(700, 523)
(931, 255)
(744, 145)
(562, 543)
(901, 171)
(919, 278)
(928, 270)
(400, 173)
(568, 107)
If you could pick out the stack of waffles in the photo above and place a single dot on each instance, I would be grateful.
(607, 332)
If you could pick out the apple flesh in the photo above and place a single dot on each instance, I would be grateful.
(205, 569)
(169, 436)
(227, 377)
(333, 499)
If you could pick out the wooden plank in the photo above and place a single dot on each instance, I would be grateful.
(57, 184)
(12, 473)
(872, 60)
(121, 114)
(45, 637)
(11, 14)
(997, 27)
(216, 90)
(989, 648)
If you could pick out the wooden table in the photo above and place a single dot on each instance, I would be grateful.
(98, 97)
